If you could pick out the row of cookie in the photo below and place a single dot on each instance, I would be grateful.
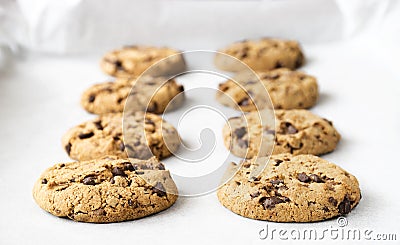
(257, 133)
(302, 188)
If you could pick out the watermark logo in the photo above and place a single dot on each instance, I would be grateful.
(340, 232)
(202, 159)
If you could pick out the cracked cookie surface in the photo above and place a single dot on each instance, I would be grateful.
(291, 131)
(261, 55)
(105, 190)
(145, 135)
(287, 90)
(289, 188)
(134, 60)
(151, 94)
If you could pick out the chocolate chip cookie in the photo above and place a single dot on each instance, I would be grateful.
(134, 60)
(287, 90)
(151, 94)
(140, 135)
(261, 55)
(105, 190)
(287, 188)
(291, 131)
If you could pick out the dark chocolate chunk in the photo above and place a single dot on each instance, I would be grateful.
(333, 201)
(278, 162)
(118, 172)
(159, 189)
(68, 148)
(270, 202)
(244, 102)
(316, 178)
(240, 132)
(98, 125)
(255, 194)
(89, 180)
(128, 166)
(276, 181)
(44, 181)
(345, 206)
(92, 97)
(303, 177)
(85, 136)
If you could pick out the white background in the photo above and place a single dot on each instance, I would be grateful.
(350, 48)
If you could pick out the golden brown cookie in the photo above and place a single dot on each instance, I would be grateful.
(287, 188)
(295, 131)
(105, 190)
(145, 135)
(287, 90)
(152, 95)
(261, 55)
(134, 60)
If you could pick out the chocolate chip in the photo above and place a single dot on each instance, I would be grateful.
(181, 88)
(130, 202)
(92, 98)
(98, 125)
(118, 65)
(303, 177)
(290, 129)
(345, 206)
(128, 166)
(276, 181)
(100, 212)
(243, 143)
(244, 102)
(149, 121)
(85, 136)
(112, 181)
(62, 165)
(278, 64)
(161, 166)
(159, 189)
(270, 202)
(89, 180)
(118, 172)
(72, 180)
(68, 148)
(278, 162)
(333, 201)
(240, 132)
(255, 194)
(254, 178)
(316, 178)
(44, 181)
(268, 76)
(120, 100)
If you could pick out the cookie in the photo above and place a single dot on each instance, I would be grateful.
(105, 190)
(295, 131)
(134, 60)
(261, 55)
(145, 135)
(287, 90)
(153, 95)
(287, 188)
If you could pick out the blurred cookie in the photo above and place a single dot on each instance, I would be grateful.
(152, 95)
(261, 55)
(134, 60)
(287, 188)
(105, 190)
(145, 135)
(287, 90)
(291, 131)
